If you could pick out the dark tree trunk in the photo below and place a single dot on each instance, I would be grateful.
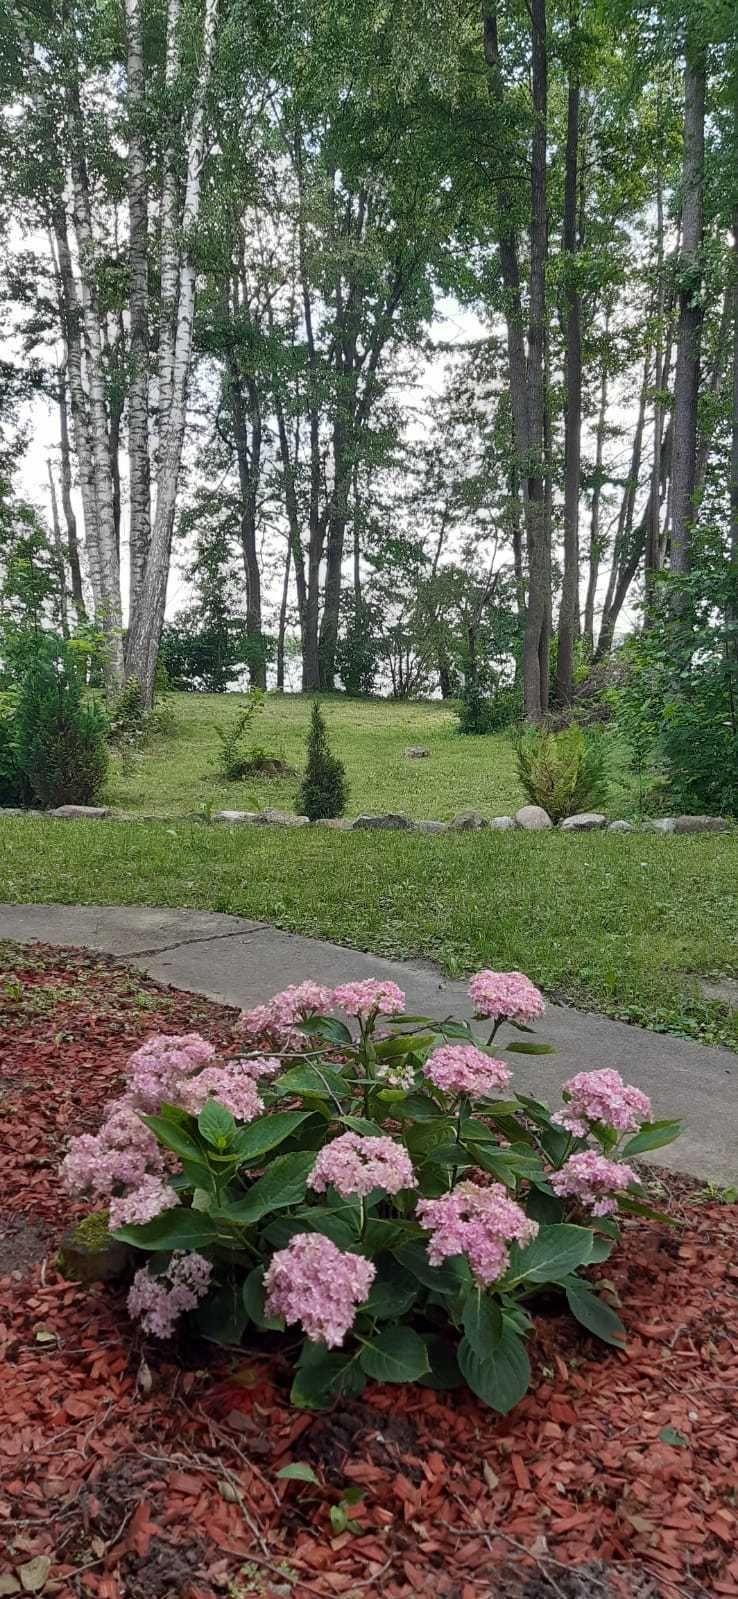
(733, 547)
(537, 626)
(569, 609)
(59, 554)
(78, 598)
(282, 629)
(595, 545)
(686, 383)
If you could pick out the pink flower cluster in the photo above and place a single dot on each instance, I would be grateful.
(354, 1165)
(119, 1156)
(233, 1086)
(314, 1283)
(151, 1198)
(508, 996)
(156, 1069)
(373, 997)
(277, 1019)
(158, 1302)
(464, 1069)
(602, 1096)
(477, 1222)
(593, 1179)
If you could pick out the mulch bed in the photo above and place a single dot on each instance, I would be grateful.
(132, 1471)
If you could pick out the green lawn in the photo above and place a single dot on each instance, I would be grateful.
(619, 924)
(175, 775)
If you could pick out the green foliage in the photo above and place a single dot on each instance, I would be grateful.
(59, 734)
(475, 711)
(238, 757)
(563, 772)
(324, 790)
(244, 1192)
(357, 660)
(15, 788)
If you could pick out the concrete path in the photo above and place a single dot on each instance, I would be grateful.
(242, 963)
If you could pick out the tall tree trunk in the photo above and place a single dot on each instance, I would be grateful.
(147, 622)
(733, 545)
(138, 386)
(316, 522)
(653, 537)
(169, 247)
(595, 548)
(247, 433)
(78, 598)
(569, 609)
(686, 382)
(59, 555)
(282, 629)
(535, 642)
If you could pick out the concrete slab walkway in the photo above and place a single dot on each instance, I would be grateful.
(242, 963)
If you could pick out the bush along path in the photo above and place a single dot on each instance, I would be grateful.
(141, 1464)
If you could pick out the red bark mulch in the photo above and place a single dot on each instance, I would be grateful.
(128, 1471)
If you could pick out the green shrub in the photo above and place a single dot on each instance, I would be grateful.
(563, 772)
(14, 786)
(324, 790)
(236, 755)
(60, 740)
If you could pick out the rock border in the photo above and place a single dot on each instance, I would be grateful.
(530, 819)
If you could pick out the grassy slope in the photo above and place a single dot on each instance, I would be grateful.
(176, 775)
(615, 923)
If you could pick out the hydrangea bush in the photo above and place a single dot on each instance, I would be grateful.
(370, 1184)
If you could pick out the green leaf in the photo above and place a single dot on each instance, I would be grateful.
(543, 1206)
(252, 1294)
(176, 1137)
(179, 1228)
(445, 1279)
(409, 1021)
(456, 1030)
(260, 1136)
(359, 1124)
(298, 1471)
(385, 1234)
(393, 1290)
(671, 1435)
(396, 1355)
(444, 1372)
(338, 1518)
(321, 1373)
(322, 1082)
(221, 1318)
(283, 1184)
(391, 1048)
(529, 1049)
(499, 1379)
(327, 1027)
(558, 1250)
(341, 1227)
(419, 1107)
(602, 1249)
(482, 1322)
(216, 1124)
(653, 1135)
(594, 1314)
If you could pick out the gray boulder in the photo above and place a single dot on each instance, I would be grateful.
(283, 818)
(532, 818)
(236, 818)
(81, 813)
(432, 827)
(502, 824)
(416, 752)
(339, 824)
(659, 824)
(701, 824)
(387, 823)
(620, 827)
(583, 822)
(468, 822)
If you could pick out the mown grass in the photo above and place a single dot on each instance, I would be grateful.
(616, 923)
(176, 775)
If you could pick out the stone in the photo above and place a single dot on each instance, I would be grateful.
(81, 813)
(659, 824)
(468, 822)
(432, 827)
(723, 989)
(339, 824)
(10, 810)
(388, 822)
(90, 1254)
(620, 827)
(533, 819)
(416, 752)
(283, 818)
(236, 818)
(502, 824)
(583, 822)
(701, 824)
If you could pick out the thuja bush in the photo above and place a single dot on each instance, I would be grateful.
(369, 1184)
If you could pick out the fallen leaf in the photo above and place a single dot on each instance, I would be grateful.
(34, 1573)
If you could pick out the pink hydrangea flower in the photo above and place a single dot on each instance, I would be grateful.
(122, 1154)
(155, 1070)
(594, 1179)
(314, 1283)
(233, 1088)
(353, 1164)
(508, 996)
(477, 1222)
(150, 1199)
(277, 1018)
(158, 1302)
(371, 997)
(464, 1069)
(602, 1096)
(397, 1076)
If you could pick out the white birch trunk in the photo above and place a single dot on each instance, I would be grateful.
(169, 242)
(138, 394)
(70, 319)
(146, 625)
